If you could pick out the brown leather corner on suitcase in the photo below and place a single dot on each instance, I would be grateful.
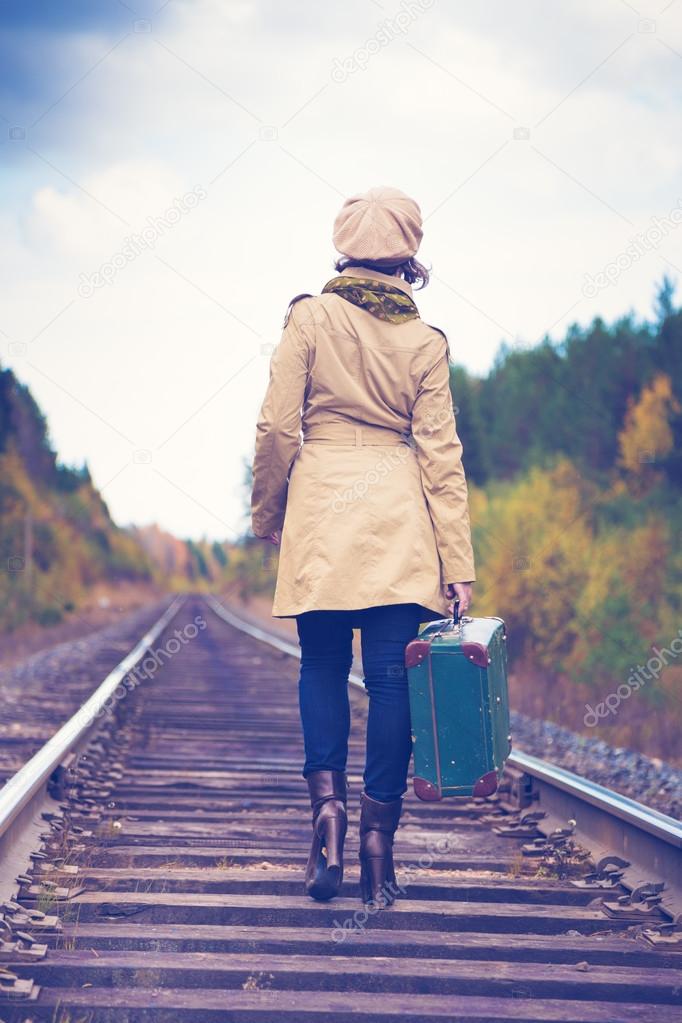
(486, 785)
(416, 651)
(425, 790)
(477, 653)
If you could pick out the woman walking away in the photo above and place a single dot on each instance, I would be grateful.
(370, 510)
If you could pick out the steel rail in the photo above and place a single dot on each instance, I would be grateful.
(607, 823)
(655, 823)
(23, 788)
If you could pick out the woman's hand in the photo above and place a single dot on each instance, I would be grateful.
(274, 538)
(465, 593)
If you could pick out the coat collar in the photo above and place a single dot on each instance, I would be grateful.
(375, 275)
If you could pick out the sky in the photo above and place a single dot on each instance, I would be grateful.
(170, 173)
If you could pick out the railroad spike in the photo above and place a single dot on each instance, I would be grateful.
(664, 934)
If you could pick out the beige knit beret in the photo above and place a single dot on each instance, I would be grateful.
(382, 225)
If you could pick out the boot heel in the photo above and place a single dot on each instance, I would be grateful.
(334, 835)
(325, 865)
(376, 882)
(365, 884)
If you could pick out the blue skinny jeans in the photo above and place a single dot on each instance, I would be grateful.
(326, 656)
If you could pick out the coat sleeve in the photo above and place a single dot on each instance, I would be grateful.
(439, 453)
(278, 429)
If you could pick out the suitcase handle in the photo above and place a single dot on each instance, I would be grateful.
(457, 618)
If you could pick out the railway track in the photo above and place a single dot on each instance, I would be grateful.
(159, 840)
(37, 697)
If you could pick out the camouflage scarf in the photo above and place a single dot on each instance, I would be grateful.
(378, 298)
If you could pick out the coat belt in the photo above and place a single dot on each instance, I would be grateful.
(340, 433)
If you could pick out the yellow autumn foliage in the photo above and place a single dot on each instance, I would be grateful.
(647, 436)
(533, 544)
(55, 546)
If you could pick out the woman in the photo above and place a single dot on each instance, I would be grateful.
(373, 511)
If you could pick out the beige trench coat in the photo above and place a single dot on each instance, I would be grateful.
(372, 499)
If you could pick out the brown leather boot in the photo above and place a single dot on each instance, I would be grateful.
(378, 823)
(324, 872)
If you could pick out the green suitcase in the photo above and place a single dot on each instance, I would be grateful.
(459, 705)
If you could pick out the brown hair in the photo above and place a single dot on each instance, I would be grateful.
(410, 270)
